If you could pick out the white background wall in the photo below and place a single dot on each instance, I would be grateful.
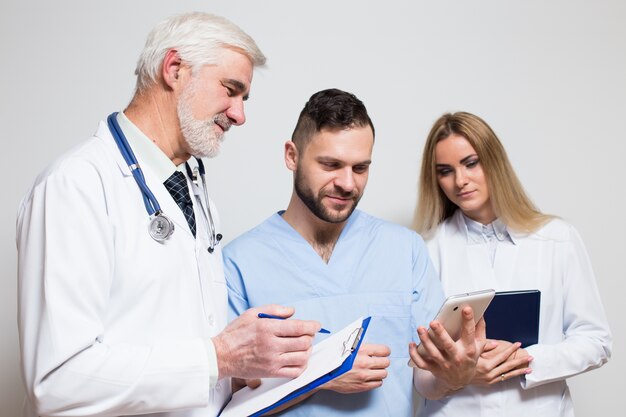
(549, 76)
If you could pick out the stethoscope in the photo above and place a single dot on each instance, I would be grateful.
(161, 227)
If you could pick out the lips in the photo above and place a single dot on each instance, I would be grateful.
(340, 200)
(466, 194)
(223, 126)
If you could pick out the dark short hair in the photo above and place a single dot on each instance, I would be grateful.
(331, 109)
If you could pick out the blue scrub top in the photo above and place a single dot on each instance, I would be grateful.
(377, 269)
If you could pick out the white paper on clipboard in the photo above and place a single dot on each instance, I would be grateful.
(326, 356)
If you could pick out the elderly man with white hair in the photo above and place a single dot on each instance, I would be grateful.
(122, 298)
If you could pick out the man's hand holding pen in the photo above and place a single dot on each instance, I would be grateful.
(252, 348)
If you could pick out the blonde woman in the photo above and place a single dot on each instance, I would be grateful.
(484, 232)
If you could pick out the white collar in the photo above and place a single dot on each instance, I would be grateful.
(146, 151)
(477, 232)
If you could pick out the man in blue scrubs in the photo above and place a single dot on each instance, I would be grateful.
(334, 263)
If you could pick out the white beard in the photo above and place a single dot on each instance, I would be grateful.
(203, 139)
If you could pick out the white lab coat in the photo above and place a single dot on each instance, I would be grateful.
(574, 335)
(112, 322)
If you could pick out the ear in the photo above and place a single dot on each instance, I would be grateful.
(171, 67)
(291, 155)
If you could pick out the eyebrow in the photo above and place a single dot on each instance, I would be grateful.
(331, 159)
(462, 161)
(467, 158)
(239, 86)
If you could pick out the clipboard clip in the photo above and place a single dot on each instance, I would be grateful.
(352, 342)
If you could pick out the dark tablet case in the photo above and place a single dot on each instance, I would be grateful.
(514, 316)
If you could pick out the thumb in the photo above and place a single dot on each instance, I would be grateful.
(253, 383)
(481, 329)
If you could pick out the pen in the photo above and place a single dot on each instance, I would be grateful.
(269, 316)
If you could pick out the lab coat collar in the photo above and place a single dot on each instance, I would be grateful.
(104, 134)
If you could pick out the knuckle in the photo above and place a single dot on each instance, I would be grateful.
(294, 372)
(301, 343)
(298, 359)
(298, 327)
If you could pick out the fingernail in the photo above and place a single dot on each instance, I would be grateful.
(527, 371)
(518, 344)
(530, 358)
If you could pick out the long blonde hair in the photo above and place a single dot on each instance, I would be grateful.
(509, 200)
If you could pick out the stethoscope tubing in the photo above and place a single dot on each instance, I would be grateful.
(150, 201)
(206, 212)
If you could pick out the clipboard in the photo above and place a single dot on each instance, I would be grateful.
(331, 358)
(514, 316)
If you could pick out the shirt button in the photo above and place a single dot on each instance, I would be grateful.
(218, 386)
(211, 320)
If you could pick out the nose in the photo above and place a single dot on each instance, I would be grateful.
(235, 112)
(345, 180)
(460, 178)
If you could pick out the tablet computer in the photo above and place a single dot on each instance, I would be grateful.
(450, 313)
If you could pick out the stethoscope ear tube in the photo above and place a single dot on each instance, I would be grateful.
(214, 238)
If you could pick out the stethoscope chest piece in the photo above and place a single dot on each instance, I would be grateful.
(160, 227)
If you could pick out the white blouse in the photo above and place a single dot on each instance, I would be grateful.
(574, 335)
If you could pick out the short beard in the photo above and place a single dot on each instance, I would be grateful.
(315, 205)
(201, 137)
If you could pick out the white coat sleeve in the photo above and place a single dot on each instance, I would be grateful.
(65, 269)
(586, 341)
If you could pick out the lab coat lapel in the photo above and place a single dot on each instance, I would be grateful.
(165, 199)
(104, 133)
